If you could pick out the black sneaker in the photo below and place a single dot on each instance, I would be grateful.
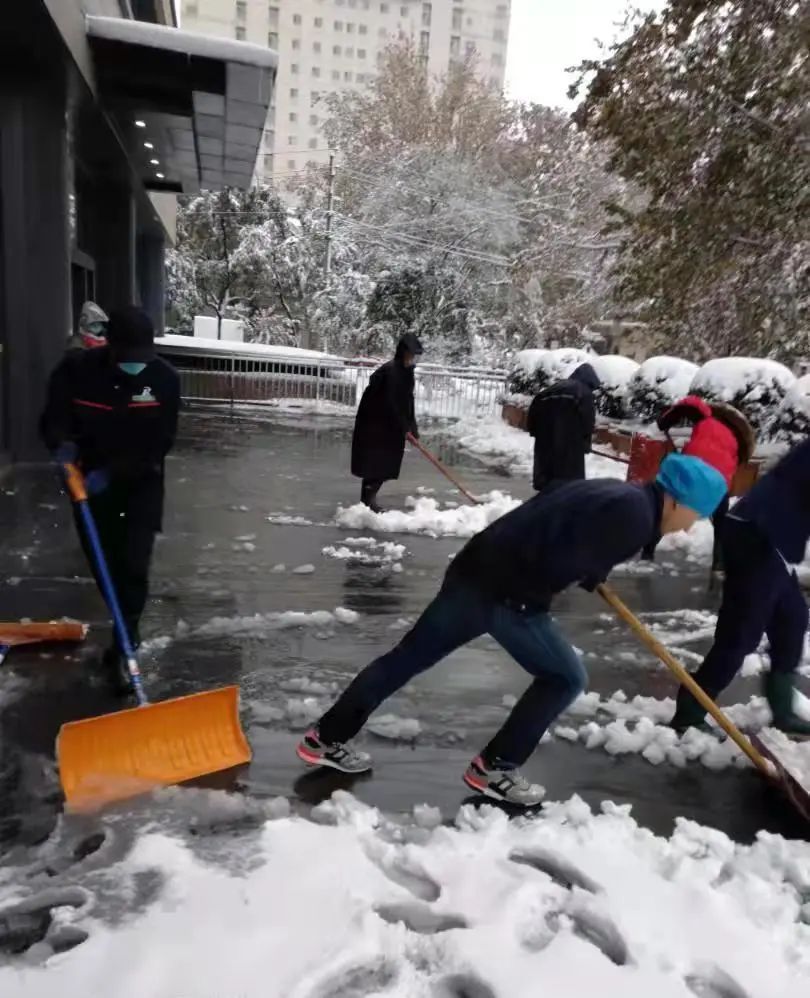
(507, 785)
(344, 758)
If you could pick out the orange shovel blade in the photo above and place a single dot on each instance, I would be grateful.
(28, 634)
(115, 756)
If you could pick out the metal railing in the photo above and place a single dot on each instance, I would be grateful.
(245, 374)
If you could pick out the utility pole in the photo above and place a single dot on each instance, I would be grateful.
(327, 266)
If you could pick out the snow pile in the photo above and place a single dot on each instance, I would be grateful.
(425, 516)
(794, 756)
(368, 551)
(394, 728)
(792, 420)
(259, 625)
(755, 386)
(571, 903)
(658, 383)
(615, 373)
(284, 520)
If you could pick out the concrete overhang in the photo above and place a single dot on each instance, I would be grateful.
(190, 109)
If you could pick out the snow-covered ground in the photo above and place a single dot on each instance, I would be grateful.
(351, 904)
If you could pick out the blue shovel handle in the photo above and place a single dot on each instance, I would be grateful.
(4, 650)
(78, 492)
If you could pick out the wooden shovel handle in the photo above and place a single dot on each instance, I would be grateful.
(686, 680)
(445, 471)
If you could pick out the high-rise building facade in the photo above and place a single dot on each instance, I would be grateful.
(331, 46)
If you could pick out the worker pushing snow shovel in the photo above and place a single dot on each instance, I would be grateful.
(503, 582)
(113, 413)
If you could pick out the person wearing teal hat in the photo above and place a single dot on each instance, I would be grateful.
(503, 583)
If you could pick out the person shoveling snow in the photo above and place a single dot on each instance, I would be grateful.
(762, 540)
(503, 583)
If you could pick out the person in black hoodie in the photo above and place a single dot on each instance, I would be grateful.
(113, 412)
(384, 418)
(503, 583)
(561, 420)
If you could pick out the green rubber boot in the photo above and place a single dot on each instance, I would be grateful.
(779, 690)
(689, 714)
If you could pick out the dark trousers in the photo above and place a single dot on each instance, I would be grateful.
(760, 596)
(127, 544)
(457, 615)
(369, 489)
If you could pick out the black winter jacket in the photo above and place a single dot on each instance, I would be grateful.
(384, 417)
(119, 422)
(574, 532)
(562, 420)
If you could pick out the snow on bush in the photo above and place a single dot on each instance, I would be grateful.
(521, 380)
(658, 383)
(535, 370)
(792, 420)
(615, 373)
(755, 386)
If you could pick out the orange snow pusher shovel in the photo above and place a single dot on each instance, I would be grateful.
(13, 634)
(115, 756)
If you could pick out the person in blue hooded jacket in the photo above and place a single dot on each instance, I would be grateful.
(762, 539)
(503, 583)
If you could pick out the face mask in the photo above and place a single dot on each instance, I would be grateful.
(91, 342)
(132, 367)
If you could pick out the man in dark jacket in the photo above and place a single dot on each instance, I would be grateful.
(503, 583)
(113, 412)
(561, 420)
(384, 418)
(762, 539)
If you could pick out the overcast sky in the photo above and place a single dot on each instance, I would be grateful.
(547, 36)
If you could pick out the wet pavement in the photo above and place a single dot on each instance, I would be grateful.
(221, 557)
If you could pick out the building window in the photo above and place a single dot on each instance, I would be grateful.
(470, 48)
(424, 42)
(338, 25)
(292, 140)
(403, 11)
(349, 53)
(313, 119)
(294, 93)
(455, 46)
(296, 19)
(294, 68)
(427, 11)
(272, 14)
(350, 28)
(458, 14)
(316, 46)
(313, 143)
(383, 8)
(191, 10)
(352, 3)
(362, 29)
(335, 75)
(290, 164)
(337, 50)
(361, 53)
(241, 11)
(272, 40)
(268, 164)
(269, 136)
(316, 71)
(347, 77)
(499, 35)
(497, 59)
(383, 32)
(293, 116)
(296, 44)
(318, 22)
(501, 10)
(314, 97)
(240, 33)
(360, 78)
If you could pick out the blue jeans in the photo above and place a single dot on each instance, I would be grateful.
(456, 616)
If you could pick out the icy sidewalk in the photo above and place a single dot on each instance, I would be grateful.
(350, 904)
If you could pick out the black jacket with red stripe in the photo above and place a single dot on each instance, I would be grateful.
(119, 422)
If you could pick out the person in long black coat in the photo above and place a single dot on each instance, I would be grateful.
(561, 420)
(384, 418)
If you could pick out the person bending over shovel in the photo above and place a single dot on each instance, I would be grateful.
(761, 540)
(503, 583)
(113, 412)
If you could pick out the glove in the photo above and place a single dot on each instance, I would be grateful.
(97, 481)
(66, 453)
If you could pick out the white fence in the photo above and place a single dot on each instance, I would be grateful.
(247, 373)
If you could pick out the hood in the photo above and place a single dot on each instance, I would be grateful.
(91, 313)
(586, 375)
(408, 344)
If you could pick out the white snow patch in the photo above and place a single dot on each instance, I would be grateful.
(394, 728)
(283, 519)
(303, 570)
(425, 516)
(695, 906)
(261, 624)
(726, 378)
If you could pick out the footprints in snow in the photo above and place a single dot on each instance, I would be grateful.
(420, 918)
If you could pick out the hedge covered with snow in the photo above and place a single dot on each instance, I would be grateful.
(615, 373)
(755, 386)
(792, 420)
(657, 384)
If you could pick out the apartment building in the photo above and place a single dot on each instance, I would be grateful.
(329, 46)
